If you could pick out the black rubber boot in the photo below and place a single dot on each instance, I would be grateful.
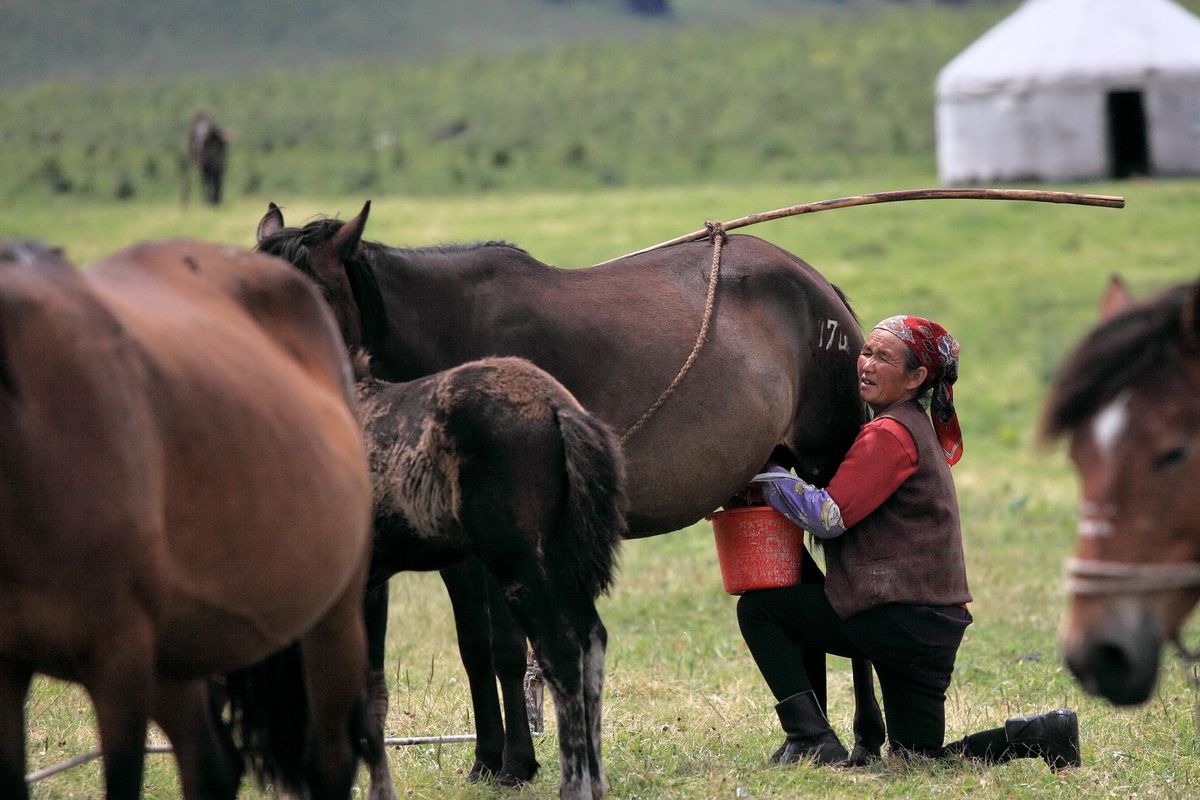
(1052, 737)
(808, 733)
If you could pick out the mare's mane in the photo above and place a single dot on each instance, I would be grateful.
(1134, 346)
(293, 244)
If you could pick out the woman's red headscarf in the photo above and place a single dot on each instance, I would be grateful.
(936, 350)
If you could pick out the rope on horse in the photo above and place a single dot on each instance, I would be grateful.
(716, 233)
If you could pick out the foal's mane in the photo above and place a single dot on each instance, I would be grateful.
(1133, 346)
(293, 244)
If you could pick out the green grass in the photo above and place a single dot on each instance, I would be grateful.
(686, 714)
(800, 97)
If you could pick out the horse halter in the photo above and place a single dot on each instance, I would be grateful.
(1091, 578)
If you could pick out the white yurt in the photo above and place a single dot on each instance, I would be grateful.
(1074, 90)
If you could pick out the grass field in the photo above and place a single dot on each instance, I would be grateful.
(686, 714)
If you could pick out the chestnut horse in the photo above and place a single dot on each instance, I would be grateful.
(183, 494)
(774, 380)
(1127, 400)
(495, 463)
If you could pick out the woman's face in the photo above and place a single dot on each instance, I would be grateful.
(884, 377)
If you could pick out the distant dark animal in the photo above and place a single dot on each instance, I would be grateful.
(183, 494)
(775, 381)
(207, 147)
(1128, 399)
(650, 8)
(494, 463)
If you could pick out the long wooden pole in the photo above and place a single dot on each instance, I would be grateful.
(1034, 195)
(407, 741)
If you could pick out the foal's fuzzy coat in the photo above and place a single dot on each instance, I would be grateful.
(494, 460)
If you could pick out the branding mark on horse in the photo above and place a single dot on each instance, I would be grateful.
(840, 339)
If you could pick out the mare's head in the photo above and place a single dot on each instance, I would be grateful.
(329, 251)
(1128, 400)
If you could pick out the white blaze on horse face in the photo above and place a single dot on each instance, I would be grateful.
(1109, 425)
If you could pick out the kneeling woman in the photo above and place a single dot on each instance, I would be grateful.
(895, 590)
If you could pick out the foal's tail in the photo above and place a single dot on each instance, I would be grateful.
(594, 523)
(269, 713)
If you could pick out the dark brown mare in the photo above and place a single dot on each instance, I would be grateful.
(207, 147)
(183, 494)
(1128, 399)
(775, 380)
(494, 462)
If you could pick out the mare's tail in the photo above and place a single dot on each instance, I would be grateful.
(269, 713)
(594, 523)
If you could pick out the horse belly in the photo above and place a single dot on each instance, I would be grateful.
(704, 445)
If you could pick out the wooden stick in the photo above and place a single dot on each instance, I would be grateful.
(1102, 200)
(33, 777)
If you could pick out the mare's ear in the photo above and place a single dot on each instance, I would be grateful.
(349, 235)
(1116, 297)
(271, 223)
(1189, 320)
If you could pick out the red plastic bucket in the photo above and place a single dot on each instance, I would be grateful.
(757, 547)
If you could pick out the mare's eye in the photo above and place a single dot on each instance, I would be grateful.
(1172, 457)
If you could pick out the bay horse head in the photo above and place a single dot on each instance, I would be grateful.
(327, 250)
(1128, 400)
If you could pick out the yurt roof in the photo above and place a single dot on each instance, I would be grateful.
(1057, 42)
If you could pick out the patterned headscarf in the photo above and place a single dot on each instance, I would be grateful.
(936, 350)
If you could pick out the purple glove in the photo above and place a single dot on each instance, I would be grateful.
(804, 504)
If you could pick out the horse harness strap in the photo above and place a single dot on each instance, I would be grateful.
(1092, 578)
(716, 234)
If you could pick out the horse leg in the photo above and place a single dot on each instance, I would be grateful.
(210, 766)
(375, 613)
(14, 686)
(468, 600)
(596, 637)
(510, 662)
(561, 655)
(334, 654)
(869, 731)
(121, 684)
(492, 647)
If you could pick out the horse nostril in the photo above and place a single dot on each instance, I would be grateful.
(1115, 673)
(1111, 662)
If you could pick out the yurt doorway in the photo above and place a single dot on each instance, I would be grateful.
(1127, 141)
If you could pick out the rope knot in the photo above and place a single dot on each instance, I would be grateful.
(716, 230)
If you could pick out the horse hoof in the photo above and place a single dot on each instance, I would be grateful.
(862, 756)
(481, 773)
(512, 781)
(516, 779)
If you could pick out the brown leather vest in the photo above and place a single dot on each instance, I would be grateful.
(909, 550)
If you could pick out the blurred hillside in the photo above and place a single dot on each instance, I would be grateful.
(722, 91)
(98, 39)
